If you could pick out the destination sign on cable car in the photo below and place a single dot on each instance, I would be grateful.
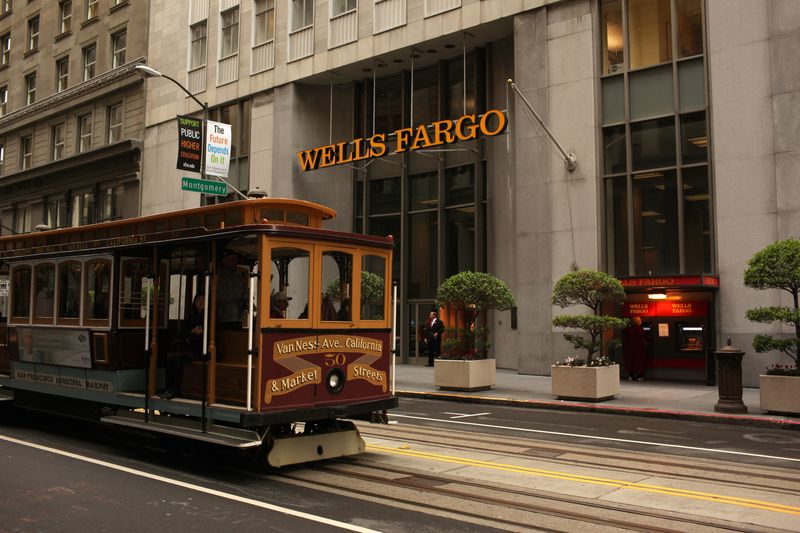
(466, 128)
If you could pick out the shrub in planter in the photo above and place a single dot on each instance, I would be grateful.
(473, 293)
(589, 288)
(777, 266)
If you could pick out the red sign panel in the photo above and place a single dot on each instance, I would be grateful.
(671, 281)
(666, 308)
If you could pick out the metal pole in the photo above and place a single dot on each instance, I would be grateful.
(147, 357)
(569, 158)
(205, 353)
(394, 335)
(250, 311)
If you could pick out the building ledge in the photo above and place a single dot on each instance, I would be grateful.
(63, 35)
(121, 5)
(72, 93)
(95, 155)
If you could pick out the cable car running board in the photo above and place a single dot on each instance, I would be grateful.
(170, 425)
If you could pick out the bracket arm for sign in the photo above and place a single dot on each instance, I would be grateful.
(237, 191)
(569, 158)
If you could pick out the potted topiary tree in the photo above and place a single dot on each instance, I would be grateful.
(777, 266)
(594, 377)
(465, 364)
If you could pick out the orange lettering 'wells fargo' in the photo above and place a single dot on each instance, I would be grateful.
(465, 128)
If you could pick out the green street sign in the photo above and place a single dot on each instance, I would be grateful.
(204, 186)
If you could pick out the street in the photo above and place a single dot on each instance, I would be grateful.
(442, 466)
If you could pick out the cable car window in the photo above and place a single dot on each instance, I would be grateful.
(297, 218)
(98, 289)
(273, 215)
(21, 292)
(337, 278)
(69, 289)
(289, 283)
(233, 217)
(133, 298)
(45, 276)
(373, 287)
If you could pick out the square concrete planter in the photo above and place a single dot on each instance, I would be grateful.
(457, 374)
(594, 384)
(780, 394)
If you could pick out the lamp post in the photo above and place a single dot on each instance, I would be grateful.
(147, 72)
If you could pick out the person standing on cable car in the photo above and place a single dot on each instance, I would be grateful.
(230, 293)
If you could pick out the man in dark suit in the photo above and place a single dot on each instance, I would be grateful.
(433, 336)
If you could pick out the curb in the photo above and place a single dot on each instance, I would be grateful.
(556, 405)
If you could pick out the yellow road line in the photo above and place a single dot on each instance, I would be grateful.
(695, 495)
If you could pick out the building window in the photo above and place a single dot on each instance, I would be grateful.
(89, 61)
(30, 88)
(5, 52)
(91, 8)
(264, 21)
(83, 209)
(25, 152)
(22, 219)
(2, 156)
(114, 123)
(33, 33)
(198, 50)
(118, 43)
(339, 7)
(655, 156)
(229, 27)
(3, 100)
(436, 206)
(302, 14)
(58, 142)
(110, 202)
(5, 6)
(62, 73)
(65, 16)
(56, 212)
(84, 132)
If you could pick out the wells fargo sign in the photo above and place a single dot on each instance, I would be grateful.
(671, 281)
(465, 128)
(666, 308)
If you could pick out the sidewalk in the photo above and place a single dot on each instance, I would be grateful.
(665, 399)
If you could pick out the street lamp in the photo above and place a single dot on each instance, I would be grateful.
(147, 72)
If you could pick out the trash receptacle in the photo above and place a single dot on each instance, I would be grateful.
(729, 379)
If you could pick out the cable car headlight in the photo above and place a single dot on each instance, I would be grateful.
(335, 381)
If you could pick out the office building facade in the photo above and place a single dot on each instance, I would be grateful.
(681, 115)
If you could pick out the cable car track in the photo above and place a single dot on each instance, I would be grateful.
(537, 503)
(691, 469)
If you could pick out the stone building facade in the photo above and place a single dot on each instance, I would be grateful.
(681, 113)
(71, 111)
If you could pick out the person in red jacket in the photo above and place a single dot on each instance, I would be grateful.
(633, 349)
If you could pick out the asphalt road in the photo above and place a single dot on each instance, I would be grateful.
(744, 444)
(64, 475)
